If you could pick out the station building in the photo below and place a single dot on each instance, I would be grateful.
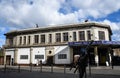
(58, 44)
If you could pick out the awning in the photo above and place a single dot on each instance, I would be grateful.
(112, 44)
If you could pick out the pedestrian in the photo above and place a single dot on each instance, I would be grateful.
(12, 61)
(82, 63)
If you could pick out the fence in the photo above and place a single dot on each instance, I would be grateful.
(57, 69)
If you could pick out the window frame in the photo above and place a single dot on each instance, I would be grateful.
(36, 39)
(65, 36)
(62, 56)
(89, 35)
(43, 38)
(58, 37)
(50, 38)
(101, 35)
(39, 56)
(81, 35)
(23, 57)
(74, 36)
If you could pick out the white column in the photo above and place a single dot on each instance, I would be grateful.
(62, 37)
(4, 51)
(96, 56)
(77, 35)
(31, 54)
(15, 56)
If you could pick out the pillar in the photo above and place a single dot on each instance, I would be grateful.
(96, 55)
(4, 51)
(15, 56)
(31, 53)
(71, 54)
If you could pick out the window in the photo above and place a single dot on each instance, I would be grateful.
(39, 56)
(23, 56)
(10, 41)
(62, 56)
(81, 35)
(88, 35)
(24, 39)
(36, 39)
(29, 39)
(20, 40)
(65, 36)
(42, 38)
(74, 36)
(50, 38)
(101, 35)
(58, 37)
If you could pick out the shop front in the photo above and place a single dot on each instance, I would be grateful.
(100, 51)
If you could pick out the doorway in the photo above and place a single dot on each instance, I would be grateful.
(1, 60)
(49, 60)
(8, 60)
(102, 52)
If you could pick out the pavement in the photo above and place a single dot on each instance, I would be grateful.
(56, 72)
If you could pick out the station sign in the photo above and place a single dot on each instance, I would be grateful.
(82, 43)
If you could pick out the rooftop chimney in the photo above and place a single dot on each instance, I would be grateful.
(86, 20)
(36, 25)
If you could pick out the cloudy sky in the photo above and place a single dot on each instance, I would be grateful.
(21, 14)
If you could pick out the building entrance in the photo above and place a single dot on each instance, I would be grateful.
(49, 60)
(8, 60)
(102, 52)
(76, 50)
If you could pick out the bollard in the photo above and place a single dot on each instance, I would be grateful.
(64, 69)
(30, 67)
(51, 68)
(19, 68)
(5, 68)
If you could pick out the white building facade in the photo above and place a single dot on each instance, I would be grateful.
(50, 44)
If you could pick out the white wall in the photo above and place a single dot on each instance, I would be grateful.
(62, 50)
(10, 52)
(38, 51)
(23, 51)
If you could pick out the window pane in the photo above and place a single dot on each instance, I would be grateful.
(36, 39)
(29, 39)
(10, 41)
(101, 35)
(20, 40)
(23, 56)
(58, 37)
(62, 56)
(65, 36)
(74, 36)
(88, 35)
(42, 38)
(24, 39)
(39, 56)
(50, 38)
(81, 35)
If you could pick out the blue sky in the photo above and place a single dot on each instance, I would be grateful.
(21, 14)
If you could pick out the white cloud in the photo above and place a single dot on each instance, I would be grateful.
(96, 8)
(114, 25)
(27, 13)
(46, 12)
